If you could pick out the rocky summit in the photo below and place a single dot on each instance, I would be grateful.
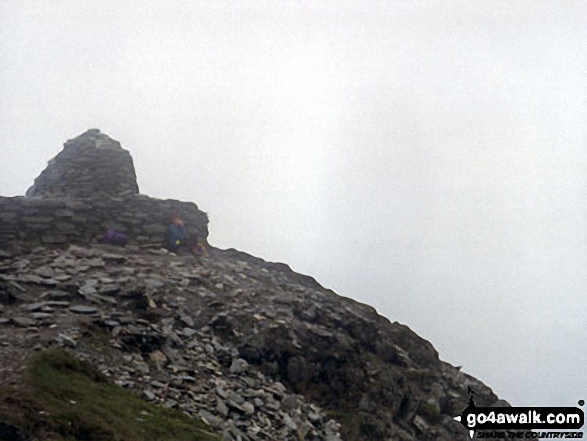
(248, 349)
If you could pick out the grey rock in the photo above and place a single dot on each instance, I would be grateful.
(239, 366)
(23, 322)
(421, 423)
(95, 263)
(57, 304)
(148, 395)
(45, 272)
(34, 306)
(87, 290)
(248, 408)
(221, 407)
(109, 289)
(170, 404)
(244, 407)
(188, 332)
(209, 418)
(289, 422)
(83, 309)
(58, 295)
(187, 320)
(66, 340)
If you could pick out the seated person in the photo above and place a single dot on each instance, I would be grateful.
(178, 237)
(176, 234)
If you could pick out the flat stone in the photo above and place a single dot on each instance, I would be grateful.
(87, 290)
(170, 404)
(148, 395)
(289, 422)
(109, 289)
(245, 406)
(209, 419)
(117, 258)
(31, 278)
(221, 407)
(34, 306)
(45, 272)
(83, 309)
(57, 304)
(188, 332)
(95, 263)
(159, 252)
(40, 315)
(23, 322)
(58, 295)
(153, 283)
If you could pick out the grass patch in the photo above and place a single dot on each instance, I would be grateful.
(64, 398)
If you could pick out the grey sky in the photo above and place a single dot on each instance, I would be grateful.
(427, 158)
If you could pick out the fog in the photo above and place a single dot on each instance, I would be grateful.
(427, 158)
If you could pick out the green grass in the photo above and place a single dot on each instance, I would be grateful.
(63, 398)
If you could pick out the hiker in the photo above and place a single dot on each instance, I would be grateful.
(178, 239)
(177, 234)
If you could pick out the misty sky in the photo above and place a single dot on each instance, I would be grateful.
(425, 157)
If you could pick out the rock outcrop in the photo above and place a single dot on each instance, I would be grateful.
(254, 350)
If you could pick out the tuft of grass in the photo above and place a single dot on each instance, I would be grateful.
(65, 399)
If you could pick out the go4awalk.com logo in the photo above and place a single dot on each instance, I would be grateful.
(505, 422)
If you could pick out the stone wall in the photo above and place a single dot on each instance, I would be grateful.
(60, 221)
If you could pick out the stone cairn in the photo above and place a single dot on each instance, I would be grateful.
(90, 166)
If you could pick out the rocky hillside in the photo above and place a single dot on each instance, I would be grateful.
(248, 350)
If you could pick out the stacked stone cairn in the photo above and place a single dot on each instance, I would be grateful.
(89, 166)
